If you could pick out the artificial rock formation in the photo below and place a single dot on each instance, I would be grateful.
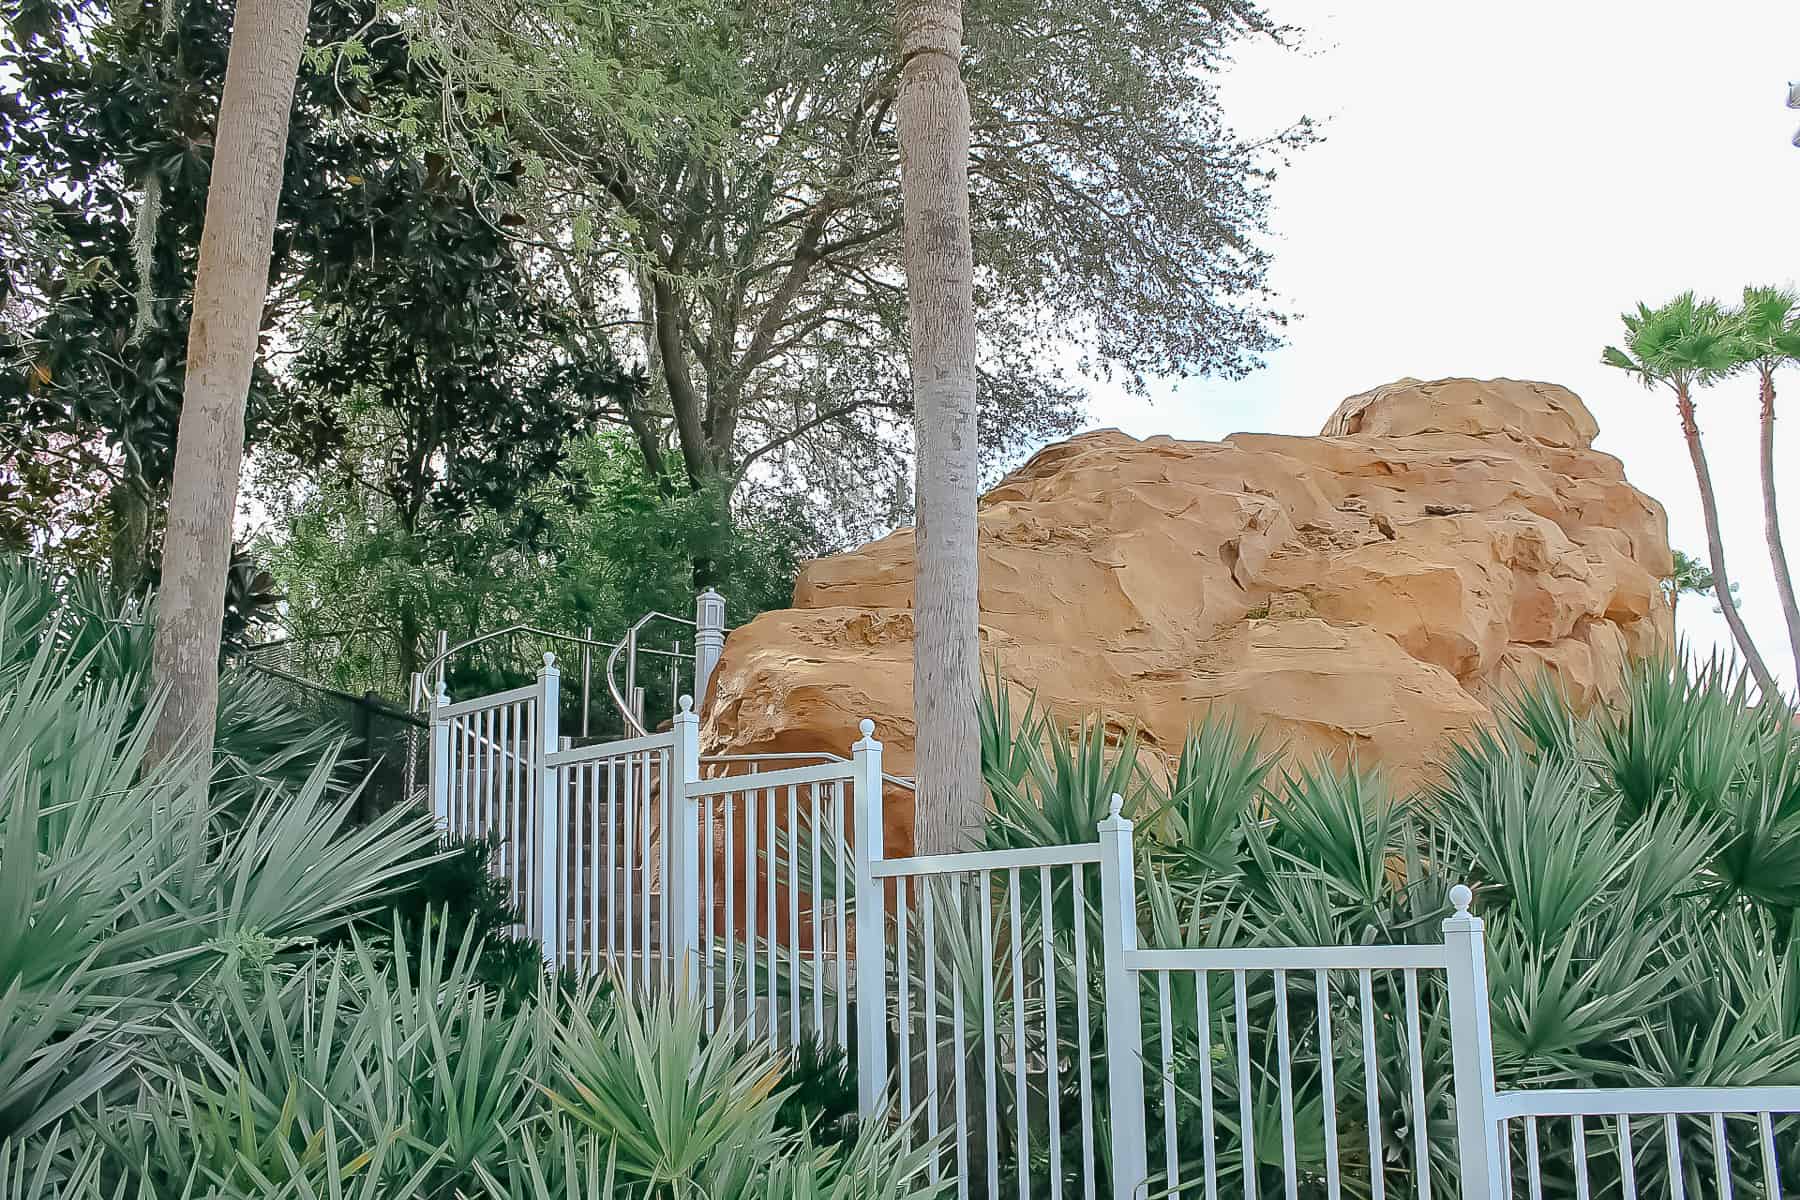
(1361, 592)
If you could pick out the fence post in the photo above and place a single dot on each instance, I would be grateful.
(549, 789)
(1124, 1021)
(709, 639)
(440, 762)
(1471, 1042)
(871, 925)
(684, 770)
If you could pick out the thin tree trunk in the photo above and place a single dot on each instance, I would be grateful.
(1784, 579)
(230, 287)
(932, 114)
(1715, 548)
(128, 559)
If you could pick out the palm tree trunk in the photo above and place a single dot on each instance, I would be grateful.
(230, 286)
(932, 119)
(1715, 547)
(1784, 579)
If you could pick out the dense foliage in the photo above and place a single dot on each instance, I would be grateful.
(104, 640)
(108, 135)
(234, 992)
(1635, 867)
(404, 351)
(365, 594)
(1114, 210)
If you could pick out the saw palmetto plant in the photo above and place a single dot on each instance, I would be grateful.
(209, 991)
(1635, 865)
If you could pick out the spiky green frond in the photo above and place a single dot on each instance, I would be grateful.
(1683, 342)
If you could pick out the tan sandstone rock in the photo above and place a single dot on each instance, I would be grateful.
(1358, 593)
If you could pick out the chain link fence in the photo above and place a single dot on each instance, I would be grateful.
(390, 743)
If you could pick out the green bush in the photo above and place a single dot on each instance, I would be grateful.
(1637, 867)
(455, 888)
(234, 991)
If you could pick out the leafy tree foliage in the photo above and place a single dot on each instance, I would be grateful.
(1113, 206)
(432, 388)
(1692, 577)
(431, 366)
(110, 132)
(598, 550)
(397, 297)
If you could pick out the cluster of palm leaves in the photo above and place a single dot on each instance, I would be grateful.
(1637, 867)
(261, 739)
(194, 1004)
(1689, 343)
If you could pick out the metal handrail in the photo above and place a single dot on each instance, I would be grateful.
(433, 668)
(634, 724)
(437, 662)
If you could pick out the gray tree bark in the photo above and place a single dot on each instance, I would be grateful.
(230, 286)
(932, 119)
(1784, 579)
(1715, 547)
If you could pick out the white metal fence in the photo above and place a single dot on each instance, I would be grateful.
(999, 1002)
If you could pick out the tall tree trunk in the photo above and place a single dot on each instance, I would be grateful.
(230, 286)
(1715, 547)
(932, 115)
(1784, 579)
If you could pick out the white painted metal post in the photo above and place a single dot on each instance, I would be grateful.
(871, 926)
(684, 770)
(1471, 1042)
(1124, 1021)
(549, 797)
(709, 639)
(440, 762)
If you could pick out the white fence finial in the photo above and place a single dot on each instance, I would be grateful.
(1472, 1051)
(871, 925)
(551, 914)
(1115, 821)
(685, 844)
(1124, 1020)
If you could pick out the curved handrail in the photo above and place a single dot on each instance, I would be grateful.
(633, 725)
(431, 666)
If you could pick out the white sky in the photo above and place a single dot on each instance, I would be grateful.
(1498, 183)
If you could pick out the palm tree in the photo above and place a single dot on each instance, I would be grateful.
(1679, 345)
(1690, 577)
(230, 285)
(1682, 344)
(932, 119)
(1768, 329)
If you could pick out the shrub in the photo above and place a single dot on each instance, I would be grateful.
(225, 991)
(1635, 865)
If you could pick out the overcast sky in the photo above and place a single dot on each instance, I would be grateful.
(1499, 182)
